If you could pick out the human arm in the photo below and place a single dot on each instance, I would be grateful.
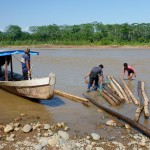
(87, 75)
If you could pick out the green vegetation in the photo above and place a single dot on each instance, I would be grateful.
(85, 34)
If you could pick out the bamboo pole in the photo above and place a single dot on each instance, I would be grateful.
(131, 122)
(121, 89)
(146, 101)
(114, 87)
(141, 106)
(130, 93)
(72, 97)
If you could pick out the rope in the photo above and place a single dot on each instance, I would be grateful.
(101, 86)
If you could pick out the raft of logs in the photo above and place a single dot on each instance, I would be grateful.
(117, 93)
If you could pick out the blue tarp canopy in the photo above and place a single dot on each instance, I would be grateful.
(4, 52)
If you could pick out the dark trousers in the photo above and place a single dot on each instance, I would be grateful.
(25, 75)
(93, 79)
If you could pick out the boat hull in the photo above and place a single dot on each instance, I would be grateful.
(37, 89)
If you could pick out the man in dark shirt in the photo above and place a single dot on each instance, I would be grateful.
(95, 75)
(25, 61)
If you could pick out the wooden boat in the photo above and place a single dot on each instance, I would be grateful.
(40, 88)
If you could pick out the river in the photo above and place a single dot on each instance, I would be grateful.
(70, 67)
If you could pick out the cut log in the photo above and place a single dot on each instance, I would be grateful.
(69, 96)
(146, 101)
(113, 94)
(131, 122)
(130, 93)
(121, 89)
(141, 106)
(108, 99)
(114, 87)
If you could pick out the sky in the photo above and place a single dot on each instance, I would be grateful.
(25, 13)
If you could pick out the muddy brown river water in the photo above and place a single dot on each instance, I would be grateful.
(70, 67)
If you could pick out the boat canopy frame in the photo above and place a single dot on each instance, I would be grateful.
(6, 58)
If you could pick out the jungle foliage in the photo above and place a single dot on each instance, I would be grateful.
(84, 34)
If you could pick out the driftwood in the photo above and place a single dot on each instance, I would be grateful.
(130, 93)
(146, 101)
(72, 97)
(121, 89)
(131, 122)
(141, 106)
(114, 87)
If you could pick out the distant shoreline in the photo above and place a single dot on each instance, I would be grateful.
(77, 46)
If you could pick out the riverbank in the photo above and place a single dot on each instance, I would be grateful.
(36, 135)
(49, 46)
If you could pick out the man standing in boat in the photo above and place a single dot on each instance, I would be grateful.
(95, 75)
(25, 60)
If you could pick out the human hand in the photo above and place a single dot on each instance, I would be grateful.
(29, 72)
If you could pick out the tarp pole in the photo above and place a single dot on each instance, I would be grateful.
(11, 67)
(6, 69)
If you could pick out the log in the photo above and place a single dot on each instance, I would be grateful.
(131, 122)
(141, 106)
(114, 87)
(113, 94)
(108, 99)
(121, 89)
(69, 96)
(130, 93)
(146, 101)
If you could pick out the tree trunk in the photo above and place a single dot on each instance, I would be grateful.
(114, 87)
(130, 93)
(146, 101)
(141, 106)
(113, 94)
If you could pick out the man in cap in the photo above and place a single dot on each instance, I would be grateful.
(95, 75)
(25, 61)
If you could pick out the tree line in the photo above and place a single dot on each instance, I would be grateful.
(84, 34)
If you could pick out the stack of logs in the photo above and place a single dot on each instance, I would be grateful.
(116, 93)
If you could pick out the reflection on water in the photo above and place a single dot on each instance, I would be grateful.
(70, 67)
